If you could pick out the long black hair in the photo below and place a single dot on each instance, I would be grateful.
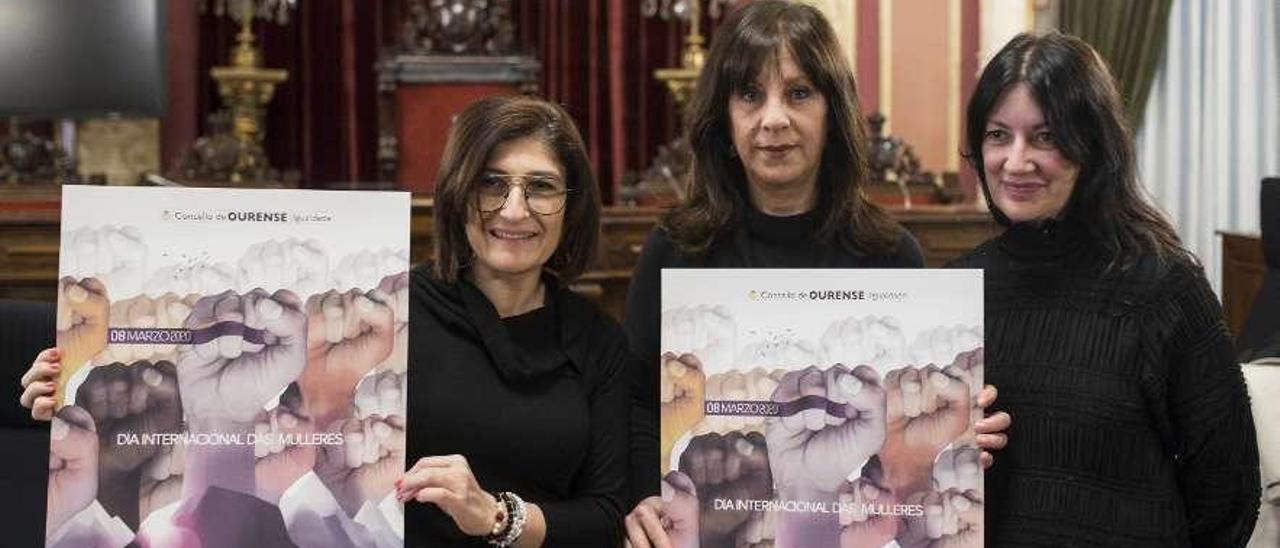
(750, 41)
(1077, 94)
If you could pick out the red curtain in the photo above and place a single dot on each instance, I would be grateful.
(322, 122)
(598, 58)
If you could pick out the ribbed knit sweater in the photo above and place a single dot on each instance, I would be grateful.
(1131, 423)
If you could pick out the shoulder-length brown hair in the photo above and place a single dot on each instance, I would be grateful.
(476, 131)
(748, 42)
(1078, 97)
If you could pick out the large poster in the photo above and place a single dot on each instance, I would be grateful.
(233, 368)
(821, 408)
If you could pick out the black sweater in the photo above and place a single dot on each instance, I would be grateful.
(537, 403)
(761, 241)
(1131, 423)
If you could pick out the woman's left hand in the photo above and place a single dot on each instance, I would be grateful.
(447, 482)
(990, 429)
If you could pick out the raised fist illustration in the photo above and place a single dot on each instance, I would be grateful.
(161, 482)
(248, 348)
(865, 517)
(81, 323)
(279, 457)
(870, 340)
(126, 401)
(73, 465)
(941, 345)
(347, 335)
(928, 410)
(381, 393)
(958, 468)
(967, 366)
(368, 463)
(836, 422)
(733, 467)
(681, 393)
(300, 266)
(705, 331)
(117, 256)
(952, 519)
(396, 287)
(367, 268)
(758, 532)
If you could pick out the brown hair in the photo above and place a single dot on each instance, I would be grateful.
(476, 131)
(1077, 94)
(748, 41)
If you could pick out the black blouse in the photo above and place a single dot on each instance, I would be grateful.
(537, 403)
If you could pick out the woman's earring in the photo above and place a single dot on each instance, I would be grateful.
(733, 151)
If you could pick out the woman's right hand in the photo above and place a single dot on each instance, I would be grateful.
(40, 384)
(667, 521)
(644, 525)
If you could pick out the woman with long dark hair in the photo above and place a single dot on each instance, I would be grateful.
(1103, 334)
(778, 168)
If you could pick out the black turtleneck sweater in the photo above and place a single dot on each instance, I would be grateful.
(537, 403)
(1131, 423)
(760, 241)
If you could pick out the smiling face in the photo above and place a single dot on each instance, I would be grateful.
(513, 241)
(1029, 178)
(779, 126)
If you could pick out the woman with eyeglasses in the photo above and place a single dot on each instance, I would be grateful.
(518, 401)
(517, 429)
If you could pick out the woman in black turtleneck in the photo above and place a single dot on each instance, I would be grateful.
(779, 160)
(1133, 425)
(517, 386)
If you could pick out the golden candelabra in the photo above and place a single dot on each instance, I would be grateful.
(246, 87)
(682, 80)
(663, 182)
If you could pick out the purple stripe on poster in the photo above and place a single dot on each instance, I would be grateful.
(752, 408)
(221, 329)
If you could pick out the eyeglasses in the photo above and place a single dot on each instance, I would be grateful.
(543, 194)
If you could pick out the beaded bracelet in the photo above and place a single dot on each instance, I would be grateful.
(513, 525)
(500, 520)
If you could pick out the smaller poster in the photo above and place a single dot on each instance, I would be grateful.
(232, 368)
(821, 408)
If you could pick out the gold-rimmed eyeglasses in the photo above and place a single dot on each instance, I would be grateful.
(543, 194)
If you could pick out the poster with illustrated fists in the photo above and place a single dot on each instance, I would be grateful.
(821, 407)
(232, 368)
